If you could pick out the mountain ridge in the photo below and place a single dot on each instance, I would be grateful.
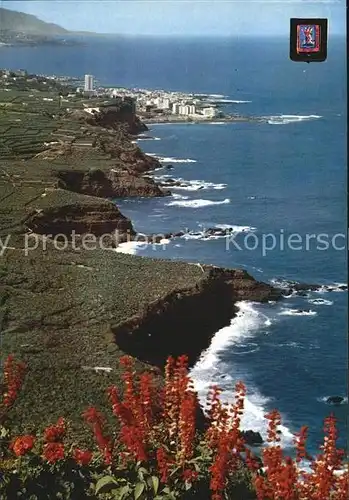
(11, 20)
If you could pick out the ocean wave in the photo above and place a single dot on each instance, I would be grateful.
(237, 337)
(197, 203)
(170, 159)
(286, 119)
(129, 247)
(217, 96)
(285, 284)
(281, 283)
(216, 232)
(336, 287)
(178, 196)
(148, 139)
(294, 345)
(247, 348)
(229, 101)
(185, 185)
(196, 185)
(236, 228)
(320, 302)
(297, 312)
(134, 247)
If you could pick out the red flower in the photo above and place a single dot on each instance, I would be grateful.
(96, 420)
(22, 444)
(190, 475)
(12, 380)
(82, 457)
(56, 432)
(163, 462)
(126, 362)
(53, 452)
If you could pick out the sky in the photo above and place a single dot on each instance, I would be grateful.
(183, 17)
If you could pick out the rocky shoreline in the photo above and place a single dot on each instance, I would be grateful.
(72, 312)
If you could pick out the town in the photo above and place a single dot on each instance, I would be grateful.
(152, 106)
(160, 104)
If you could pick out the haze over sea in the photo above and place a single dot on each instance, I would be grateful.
(286, 174)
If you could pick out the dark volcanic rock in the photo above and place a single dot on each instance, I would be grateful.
(335, 400)
(117, 183)
(112, 116)
(97, 218)
(185, 320)
(299, 287)
(252, 438)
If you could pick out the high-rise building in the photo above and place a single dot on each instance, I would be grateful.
(175, 108)
(184, 110)
(88, 83)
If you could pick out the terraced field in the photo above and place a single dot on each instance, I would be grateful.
(33, 119)
(52, 314)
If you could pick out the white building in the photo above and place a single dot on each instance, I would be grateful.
(88, 83)
(157, 102)
(165, 103)
(175, 108)
(184, 110)
(192, 110)
(209, 111)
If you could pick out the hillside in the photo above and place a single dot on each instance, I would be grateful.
(26, 23)
(67, 311)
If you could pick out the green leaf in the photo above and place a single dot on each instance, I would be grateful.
(173, 471)
(187, 485)
(105, 484)
(143, 470)
(4, 432)
(121, 492)
(197, 468)
(155, 481)
(169, 494)
(139, 490)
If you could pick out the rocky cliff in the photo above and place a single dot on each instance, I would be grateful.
(116, 183)
(185, 319)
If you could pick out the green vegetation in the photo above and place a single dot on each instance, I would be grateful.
(156, 448)
(58, 307)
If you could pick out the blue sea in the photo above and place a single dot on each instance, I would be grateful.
(281, 177)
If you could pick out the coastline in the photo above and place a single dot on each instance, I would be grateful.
(202, 121)
(67, 309)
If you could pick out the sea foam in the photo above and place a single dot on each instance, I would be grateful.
(197, 203)
(170, 159)
(297, 312)
(320, 302)
(286, 119)
(238, 337)
(192, 185)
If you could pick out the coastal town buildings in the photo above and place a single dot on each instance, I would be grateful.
(209, 112)
(175, 108)
(161, 103)
(184, 110)
(88, 83)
